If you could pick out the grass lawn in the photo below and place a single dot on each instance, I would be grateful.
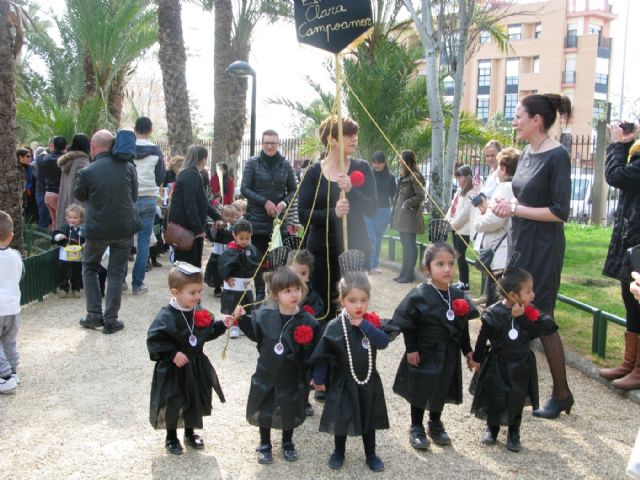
(582, 279)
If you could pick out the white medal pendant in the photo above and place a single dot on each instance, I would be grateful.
(513, 334)
(450, 315)
(193, 341)
(278, 348)
(365, 343)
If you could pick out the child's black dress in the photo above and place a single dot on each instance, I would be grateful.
(69, 271)
(180, 397)
(312, 303)
(508, 378)
(350, 409)
(221, 238)
(278, 387)
(422, 318)
(237, 262)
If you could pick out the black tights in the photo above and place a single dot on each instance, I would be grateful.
(368, 440)
(632, 308)
(172, 434)
(265, 436)
(554, 351)
(417, 415)
(513, 428)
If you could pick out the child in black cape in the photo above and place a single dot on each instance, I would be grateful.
(355, 404)
(183, 376)
(434, 319)
(222, 235)
(70, 233)
(285, 336)
(301, 262)
(237, 266)
(508, 378)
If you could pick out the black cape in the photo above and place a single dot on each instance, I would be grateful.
(212, 276)
(313, 301)
(350, 409)
(278, 387)
(421, 317)
(508, 377)
(241, 263)
(180, 397)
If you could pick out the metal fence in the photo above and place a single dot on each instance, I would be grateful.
(583, 165)
(41, 265)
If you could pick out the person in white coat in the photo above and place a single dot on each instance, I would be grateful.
(459, 216)
(492, 230)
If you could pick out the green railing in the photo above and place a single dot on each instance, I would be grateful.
(41, 265)
(601, 318)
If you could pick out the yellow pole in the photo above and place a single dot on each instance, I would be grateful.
(345, 231)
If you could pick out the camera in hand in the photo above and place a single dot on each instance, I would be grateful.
(477, 200)
(627, 127)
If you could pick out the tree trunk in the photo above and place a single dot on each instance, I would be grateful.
(10, 182)
(222, 83)
(115, 101)
(173, 61)
(90, 87)
(465, 14)
(237, 110)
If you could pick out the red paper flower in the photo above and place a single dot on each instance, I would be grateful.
(532, 313)
(234, 246)
(309, 309)
(357, 178)
(303, 335)
(373, 318)
(460, 307)
(202, 318)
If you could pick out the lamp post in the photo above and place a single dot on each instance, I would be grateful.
(243, 69)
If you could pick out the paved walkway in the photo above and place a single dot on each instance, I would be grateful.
(81, 413)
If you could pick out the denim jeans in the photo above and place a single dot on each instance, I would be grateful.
(118, 257)
(376, 226)
(44, 219)
(146, 208)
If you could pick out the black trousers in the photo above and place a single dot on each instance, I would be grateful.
(69, 273)
(193, 256)
(632, 308)
(461, 249)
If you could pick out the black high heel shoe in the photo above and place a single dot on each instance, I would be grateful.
(554, 407)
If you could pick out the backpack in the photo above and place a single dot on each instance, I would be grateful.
(124, 146)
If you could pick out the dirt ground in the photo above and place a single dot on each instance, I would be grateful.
(81, 412)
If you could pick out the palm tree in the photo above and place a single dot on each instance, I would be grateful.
(13, 19)
(173, 62)
(222, 57)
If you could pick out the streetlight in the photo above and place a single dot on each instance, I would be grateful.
(243, 69)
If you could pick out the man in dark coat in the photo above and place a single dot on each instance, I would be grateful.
(109, 188)
(268, 184)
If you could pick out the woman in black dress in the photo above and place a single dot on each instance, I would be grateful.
(189, 205)
(319, 200)
(542, 189)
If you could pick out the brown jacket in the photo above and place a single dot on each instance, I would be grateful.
(407, 207)
(70, 163)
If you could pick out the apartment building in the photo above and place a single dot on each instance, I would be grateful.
(557, 46)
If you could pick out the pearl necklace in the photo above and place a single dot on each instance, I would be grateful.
(345, 315)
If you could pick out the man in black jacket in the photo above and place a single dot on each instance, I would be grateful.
(110, 189)
(268, 184)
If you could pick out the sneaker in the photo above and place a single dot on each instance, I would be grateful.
(91, 322)
(235, 332)
(374, 463)
(8, 386)
(112, 327)
(265, 457)
(289, 452)
(156, 264)
(16, 378)
(438, 434)
(418, 437)
(336, 460)
(489, 438)
(139, 289)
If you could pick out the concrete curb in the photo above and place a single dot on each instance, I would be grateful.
(573, 359)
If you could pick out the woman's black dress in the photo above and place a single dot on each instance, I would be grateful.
(421, 317)
(350, 409)
(362, 201)
(180, 397)
(508, 378)
(278, 387)
(542, 180)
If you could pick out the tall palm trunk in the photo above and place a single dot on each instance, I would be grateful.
(173, 61)
(223, 82)
(237, 108)
(10, 184)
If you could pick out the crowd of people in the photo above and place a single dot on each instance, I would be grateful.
(310, 317)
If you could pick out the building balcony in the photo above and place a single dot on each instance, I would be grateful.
(600, 8)
(571, 41)
(569, 77)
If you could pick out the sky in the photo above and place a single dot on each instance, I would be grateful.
(282, 65)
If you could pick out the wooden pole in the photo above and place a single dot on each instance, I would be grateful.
(345, 231)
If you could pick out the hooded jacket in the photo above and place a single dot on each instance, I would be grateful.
(70, 164)
(149, 163)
